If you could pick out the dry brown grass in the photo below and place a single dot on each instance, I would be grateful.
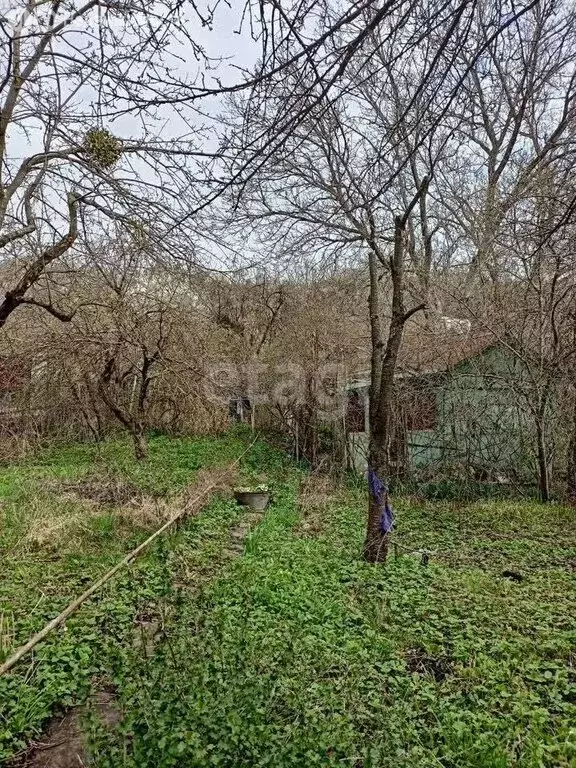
(14, 448)
(317, 494)
(7, 635)
(64, 522)
(58, 524)
(103, 489)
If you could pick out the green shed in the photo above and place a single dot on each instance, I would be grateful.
(464, 414)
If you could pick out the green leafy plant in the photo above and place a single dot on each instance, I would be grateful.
(103, 148)
(262, 488)
(289, 650)
(40, 579)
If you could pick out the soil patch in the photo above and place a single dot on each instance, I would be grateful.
(420, 663)
(63, 744)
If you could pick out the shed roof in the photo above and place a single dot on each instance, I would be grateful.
(427, 352)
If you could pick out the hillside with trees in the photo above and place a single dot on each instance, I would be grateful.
(321, 254)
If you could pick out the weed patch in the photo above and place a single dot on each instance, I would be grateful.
(300, 654)
(39, 578)
(286, 650)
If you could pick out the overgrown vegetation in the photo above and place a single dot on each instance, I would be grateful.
(54, 544)
(301, 654)
(298, 653)
(367, 249)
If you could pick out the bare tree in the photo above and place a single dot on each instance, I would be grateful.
(529, 310)
(121, 338)
(513, 118)
(87, 89)
(330, 192)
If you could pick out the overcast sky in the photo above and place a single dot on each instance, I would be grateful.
(224, 41)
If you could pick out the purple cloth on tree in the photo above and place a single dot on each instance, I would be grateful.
(379, 492)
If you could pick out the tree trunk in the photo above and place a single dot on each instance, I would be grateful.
(375, 549)
(543, 476)
(571, 458)
(382, 394)
(140, 445)
(381, 405)
(376, 542)
(383, 369)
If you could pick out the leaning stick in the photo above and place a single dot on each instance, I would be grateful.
(130, 557)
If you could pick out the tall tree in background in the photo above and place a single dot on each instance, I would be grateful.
(515, 118)
(339, 190)
(365, 177)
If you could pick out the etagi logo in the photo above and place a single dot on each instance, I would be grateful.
(24, 19)
(33, 18)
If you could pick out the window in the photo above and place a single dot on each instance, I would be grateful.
(355, 411)
(421, 410)
(239, 408)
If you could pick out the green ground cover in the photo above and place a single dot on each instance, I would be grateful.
(297, 653)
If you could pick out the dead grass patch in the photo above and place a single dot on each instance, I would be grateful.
(105, 490)
(214, 479)
(317, 494)
(69, 521)
(7, 634)
(14, 448)
(54, 524)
